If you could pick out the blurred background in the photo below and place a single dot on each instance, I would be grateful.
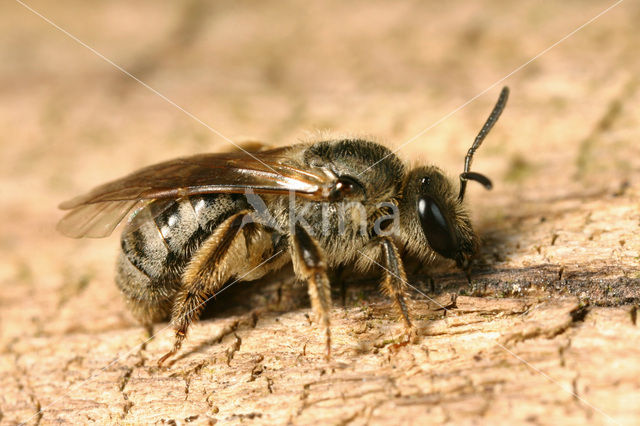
(564, 157)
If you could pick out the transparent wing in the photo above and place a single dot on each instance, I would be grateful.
(97, 213)
(96, 220)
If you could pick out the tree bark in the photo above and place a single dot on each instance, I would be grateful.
(547, 331)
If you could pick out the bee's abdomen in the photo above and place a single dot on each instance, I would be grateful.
(159, 243)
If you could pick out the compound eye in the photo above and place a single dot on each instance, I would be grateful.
(436, 228)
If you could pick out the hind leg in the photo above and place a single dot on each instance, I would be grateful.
(235, 250)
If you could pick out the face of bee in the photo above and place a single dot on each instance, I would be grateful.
(434, 217)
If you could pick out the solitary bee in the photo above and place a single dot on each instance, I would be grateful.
(197, 222)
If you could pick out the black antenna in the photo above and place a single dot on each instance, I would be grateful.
(493, 117)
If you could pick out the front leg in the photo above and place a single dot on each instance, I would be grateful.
(309, 264)
(384, 253)
(395, 279)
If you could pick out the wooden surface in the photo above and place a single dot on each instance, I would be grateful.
(546, 333)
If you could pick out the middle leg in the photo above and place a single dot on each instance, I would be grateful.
(309, 264)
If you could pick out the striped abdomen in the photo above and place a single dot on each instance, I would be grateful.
(158, 244)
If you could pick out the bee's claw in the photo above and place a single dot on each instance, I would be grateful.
(328, 336)
(165, 357)
(180, 335)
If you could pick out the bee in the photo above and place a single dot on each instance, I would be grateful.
(198, 222)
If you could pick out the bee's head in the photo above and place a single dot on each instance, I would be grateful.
(434, 217)
(431, 204)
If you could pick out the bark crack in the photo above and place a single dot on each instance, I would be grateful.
(235, 347)
(534, 329)
(24, 384)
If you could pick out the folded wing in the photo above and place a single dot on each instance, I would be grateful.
(97, 213)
